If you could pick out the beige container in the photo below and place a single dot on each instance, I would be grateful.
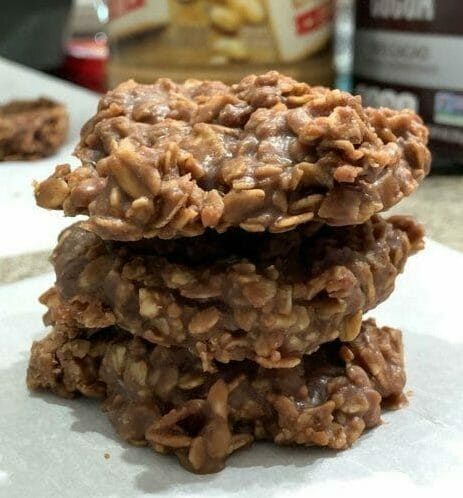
(219, 39)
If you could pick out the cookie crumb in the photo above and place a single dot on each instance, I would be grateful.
(107, 456)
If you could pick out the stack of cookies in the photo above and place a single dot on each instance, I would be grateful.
(215, 294)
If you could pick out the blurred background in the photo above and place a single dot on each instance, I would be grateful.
(385, 50)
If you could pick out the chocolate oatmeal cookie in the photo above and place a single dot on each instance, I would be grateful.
(268, 153)
(270, 298)
(32, 129)
(161, 397)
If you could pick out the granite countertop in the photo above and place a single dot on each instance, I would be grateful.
(438, 203)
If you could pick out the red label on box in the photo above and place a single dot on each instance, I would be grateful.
(312, 19)
(118, 8)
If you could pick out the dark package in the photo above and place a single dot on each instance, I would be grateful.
(409, 54)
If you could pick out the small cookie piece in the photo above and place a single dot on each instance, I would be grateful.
(32, 129)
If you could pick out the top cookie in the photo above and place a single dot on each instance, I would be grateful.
(268, 153)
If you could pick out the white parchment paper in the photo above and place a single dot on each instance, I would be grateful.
(52, 447)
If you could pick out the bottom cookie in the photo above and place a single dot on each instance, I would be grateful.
(161, 397)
